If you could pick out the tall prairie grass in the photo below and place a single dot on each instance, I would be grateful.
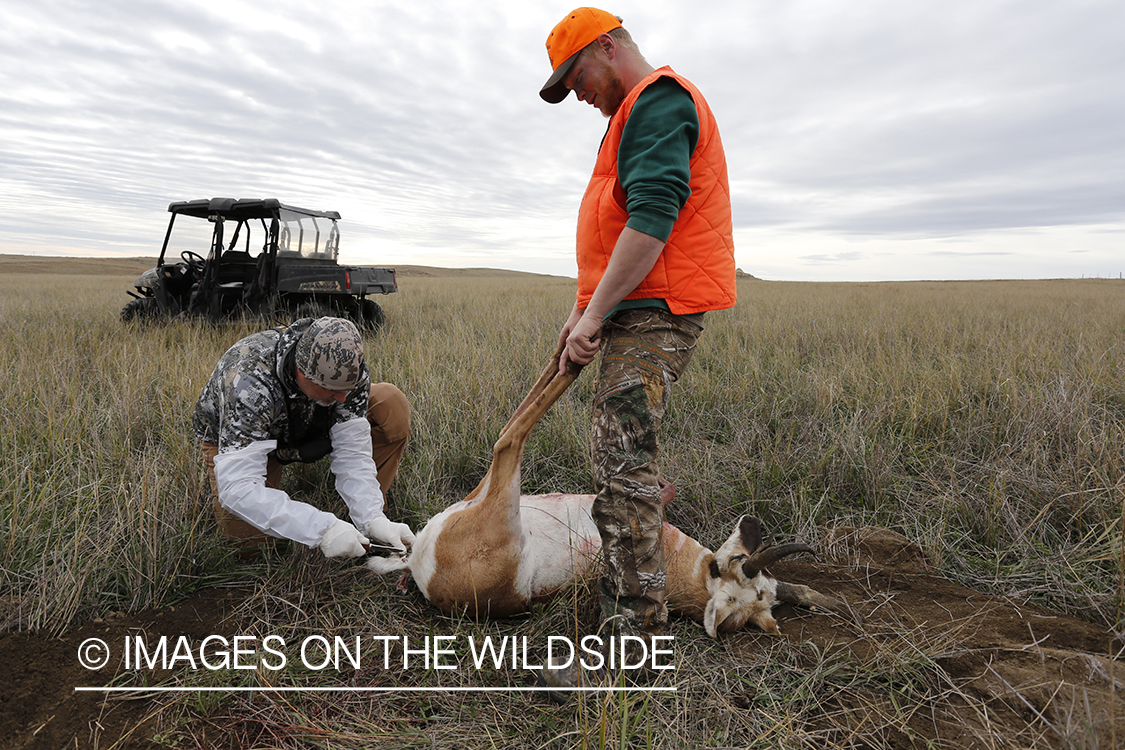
(985, 421)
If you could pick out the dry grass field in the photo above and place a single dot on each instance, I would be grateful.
(955, 451)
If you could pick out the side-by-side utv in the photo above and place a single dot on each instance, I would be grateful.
(256, 258)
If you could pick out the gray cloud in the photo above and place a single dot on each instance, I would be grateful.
(422, 125)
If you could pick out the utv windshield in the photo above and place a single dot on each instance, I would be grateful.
(190, 238)
(304, 236)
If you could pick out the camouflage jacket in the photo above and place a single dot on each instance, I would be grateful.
(252, 396)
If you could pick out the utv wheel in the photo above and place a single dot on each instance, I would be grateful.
(144, 308)
(373, 316)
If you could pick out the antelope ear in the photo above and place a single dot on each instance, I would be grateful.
(709, 617)
(749, 570)
(750, 532)
(714, 568)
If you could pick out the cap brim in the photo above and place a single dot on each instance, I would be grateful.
(555, 90)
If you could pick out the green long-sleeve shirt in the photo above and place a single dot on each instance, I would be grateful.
(653, 158)
(653, 164)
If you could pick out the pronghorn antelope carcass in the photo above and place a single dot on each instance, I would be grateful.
(497, 551)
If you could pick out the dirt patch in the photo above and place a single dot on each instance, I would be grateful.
(1034, 677)
(39, 707)
(1007, 674)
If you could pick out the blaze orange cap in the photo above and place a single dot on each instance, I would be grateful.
(569, 37)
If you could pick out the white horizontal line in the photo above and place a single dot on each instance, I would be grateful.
(374, 690)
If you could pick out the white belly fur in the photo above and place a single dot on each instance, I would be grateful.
(560, 541)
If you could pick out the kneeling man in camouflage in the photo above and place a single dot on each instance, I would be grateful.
(300, 393)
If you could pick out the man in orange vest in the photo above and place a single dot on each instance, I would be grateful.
(655, 252)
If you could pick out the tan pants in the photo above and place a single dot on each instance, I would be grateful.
(389, 414)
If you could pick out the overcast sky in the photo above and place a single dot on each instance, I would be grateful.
(866, 139)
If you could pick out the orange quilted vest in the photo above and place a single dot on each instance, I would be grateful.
(695, 272)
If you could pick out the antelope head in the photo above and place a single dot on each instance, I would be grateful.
(742, 589)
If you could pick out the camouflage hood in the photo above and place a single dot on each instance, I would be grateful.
(330, 354)
(252, 394)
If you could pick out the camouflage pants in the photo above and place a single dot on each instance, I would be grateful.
(643, 352)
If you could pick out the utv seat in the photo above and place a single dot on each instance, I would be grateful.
(236, 268)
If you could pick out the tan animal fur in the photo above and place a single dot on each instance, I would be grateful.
(497, 551)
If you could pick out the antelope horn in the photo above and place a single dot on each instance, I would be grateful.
(763, 558)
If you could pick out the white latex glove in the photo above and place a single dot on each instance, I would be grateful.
(397, 535)
(343, 540)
